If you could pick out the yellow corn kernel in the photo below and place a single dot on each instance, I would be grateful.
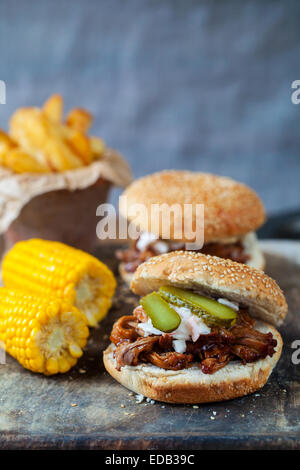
(75, 350)
(41, 342)
(51, 268)
(63, 365)
(52, 366)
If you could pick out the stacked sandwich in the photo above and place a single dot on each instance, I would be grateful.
(203, 330)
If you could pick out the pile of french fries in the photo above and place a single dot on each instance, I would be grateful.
(40, 141)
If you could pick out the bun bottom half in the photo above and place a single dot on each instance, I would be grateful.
(192, 385)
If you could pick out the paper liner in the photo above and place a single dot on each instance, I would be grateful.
(16, 190)
(59, 206)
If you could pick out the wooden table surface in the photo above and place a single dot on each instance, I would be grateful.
(39, 412)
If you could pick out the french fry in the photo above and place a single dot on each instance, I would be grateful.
(80, 144)
(53, 108)
(98, 147)
(6, 142)
(38, 135)
(45, 143)
(60, 157)
(27, 128)
(12, 157)
(79, 119)
(21, 162)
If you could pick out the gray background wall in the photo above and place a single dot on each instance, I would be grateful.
(203, 85)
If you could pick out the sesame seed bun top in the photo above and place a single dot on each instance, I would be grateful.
(214, 276)
(231, 209)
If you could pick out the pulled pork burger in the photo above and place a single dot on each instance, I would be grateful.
(202, 331)
(232, 213)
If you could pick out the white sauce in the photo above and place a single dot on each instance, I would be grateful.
(149, 329)
(145, 239)
(190, 328)
(179, 345)
(160, 246)
(248, 242)
(229, 303)
(252, 249)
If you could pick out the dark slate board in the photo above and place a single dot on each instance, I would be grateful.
(36, 412)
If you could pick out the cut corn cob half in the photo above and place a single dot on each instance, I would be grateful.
(44, 335)
(52, 268)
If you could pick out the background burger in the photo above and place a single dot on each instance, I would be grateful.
(202, 332)
(232, 213)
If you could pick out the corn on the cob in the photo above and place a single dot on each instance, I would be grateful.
(52, 268)
(44, 335)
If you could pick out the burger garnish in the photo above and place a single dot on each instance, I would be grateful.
(209, 310)
(175, 328)
(163, 317)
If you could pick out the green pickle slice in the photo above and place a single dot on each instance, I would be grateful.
(211, 311)
(163, 317)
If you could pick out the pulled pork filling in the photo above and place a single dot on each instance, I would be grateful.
(135, 256)
(211, 351)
